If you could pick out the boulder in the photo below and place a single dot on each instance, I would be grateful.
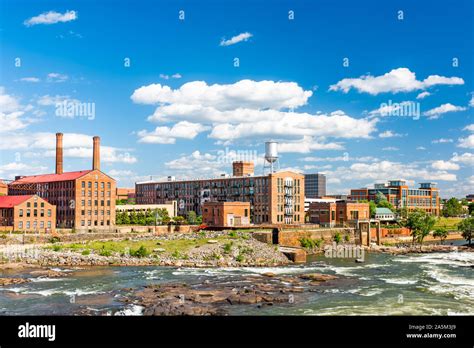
(317, 277)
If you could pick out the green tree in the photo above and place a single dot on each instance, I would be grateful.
(191, 217)
(199, 220)
(440, 233)
(133, 217)
(420, 223)
(379, 197)
(373, 208)
(452, 208)
(179, 219)
(467, 228)
(385, 204)
(471, 208)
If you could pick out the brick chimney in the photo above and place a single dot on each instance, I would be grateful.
(59, 153)
(96, 154)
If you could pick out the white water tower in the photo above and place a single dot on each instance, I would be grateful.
(271, 156)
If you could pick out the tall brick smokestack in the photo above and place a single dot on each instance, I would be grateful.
(96, 154)
(59, 153)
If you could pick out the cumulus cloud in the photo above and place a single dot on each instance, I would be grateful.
(471, 102)
(10, 170)
(466, 158)
(423, 95)
(306, 145)
(51, 17)
(274, 123)
(469, 127)
(244, 94)
(389, 134)
(12, 113)
(236, 39)
(467, 142)
(251, 109)
(75, 145)
(395, 81)
(444, 165)
(168, 135)
(442, 109)
(380, 171)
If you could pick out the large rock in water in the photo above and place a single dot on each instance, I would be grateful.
(317, 277)
(10, 281)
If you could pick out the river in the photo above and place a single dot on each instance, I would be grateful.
(415, 284)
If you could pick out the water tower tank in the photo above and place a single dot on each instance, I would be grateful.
(271, 151)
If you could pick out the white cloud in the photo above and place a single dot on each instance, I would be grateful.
(469, 127)
(467, 142)
(167, 135)
(395, 81)
(442, 109)
(390, 148)
(344, 158)
(10, 170)
(389, 134)
(281, 124)
(57, 77)
(12, 113)
(423, 95)
(307, 144)
(30, 79)
(442, 141)
(471, 102)
(167, 77)
(242, 94)
(51, 17)
(47, 100)
(381, 171)
(444, 165)
(466, 158)
(421, 148)
(75, 145)
(236, 39)
(250, 109)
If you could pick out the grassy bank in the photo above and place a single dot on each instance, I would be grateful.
(450, 223)
(147, 246)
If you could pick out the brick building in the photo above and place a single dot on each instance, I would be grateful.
(329, 214)
(276, 198)
(226, 214)
(125, 194)
(3, 188)
(83, 199)
(27, 213)
(426, 197)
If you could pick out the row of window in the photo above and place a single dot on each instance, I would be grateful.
(96, 193)
(96, 212)
(34, 225)
(35, 212)
(95, 223)
(96, 185)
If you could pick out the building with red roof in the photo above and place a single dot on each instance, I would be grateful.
(28, 213)
(84, 199)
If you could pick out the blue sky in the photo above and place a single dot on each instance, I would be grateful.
(290, 86)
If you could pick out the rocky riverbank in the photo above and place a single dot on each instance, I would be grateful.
(212, 249)
(213, 297)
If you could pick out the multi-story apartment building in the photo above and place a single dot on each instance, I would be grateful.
(84, 199)
(314, 185)
(425, 197)
(27, 213)
(276, 198)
